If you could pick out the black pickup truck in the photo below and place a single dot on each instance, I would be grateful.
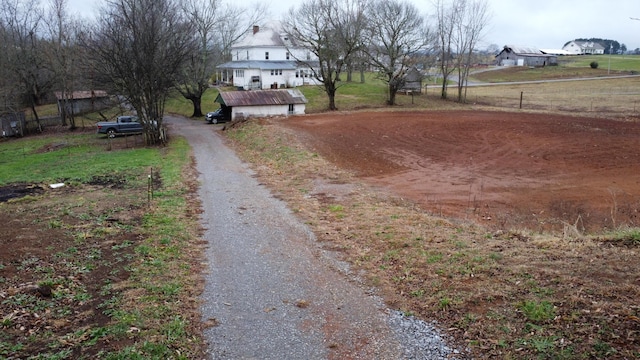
(126, 124)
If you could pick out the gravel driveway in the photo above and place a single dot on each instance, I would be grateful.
(271, 289)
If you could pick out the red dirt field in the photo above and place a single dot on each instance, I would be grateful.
(505, 170)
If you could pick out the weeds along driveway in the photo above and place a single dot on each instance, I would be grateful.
(271, 291)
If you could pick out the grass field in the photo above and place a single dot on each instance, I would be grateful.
(618, 62)
(106, 266)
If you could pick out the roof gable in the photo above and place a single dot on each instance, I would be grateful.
(269, 36)
(590, 45)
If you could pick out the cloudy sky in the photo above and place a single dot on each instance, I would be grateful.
(546, 24)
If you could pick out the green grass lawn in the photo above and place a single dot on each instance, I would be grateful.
(70, 157)
(618, 62)
(155, 249)
(568, 67)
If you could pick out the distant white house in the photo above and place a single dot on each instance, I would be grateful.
(584, 48)
(261, 103)
(266, 59)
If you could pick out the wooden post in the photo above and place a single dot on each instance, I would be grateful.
(521, 94)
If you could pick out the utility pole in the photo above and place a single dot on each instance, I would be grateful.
(610, 50)
(633, 18)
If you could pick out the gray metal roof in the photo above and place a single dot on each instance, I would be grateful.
(260, 64)
(261, 97)
(523, 50)
(590, 45)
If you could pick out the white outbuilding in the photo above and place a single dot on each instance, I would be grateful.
(262, 103)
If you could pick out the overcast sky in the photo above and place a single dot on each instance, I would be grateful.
(545, 24)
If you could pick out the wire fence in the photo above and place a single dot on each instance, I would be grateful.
(576, 97)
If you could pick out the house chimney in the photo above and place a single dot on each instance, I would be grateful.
(256, 28)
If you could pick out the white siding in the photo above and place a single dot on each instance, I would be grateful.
(253, 49)
(573, 48)
(258, 53)
(266, 110)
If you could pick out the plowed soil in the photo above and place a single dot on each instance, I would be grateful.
(505, 170)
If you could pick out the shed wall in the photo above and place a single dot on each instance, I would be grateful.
(266, 110)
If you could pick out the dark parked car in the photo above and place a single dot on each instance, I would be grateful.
(215, 117)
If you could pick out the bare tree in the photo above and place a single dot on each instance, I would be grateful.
(216, 28)
(139, 46)
(446, 18)
(234, 22)
(22, 51)
(8, 101)
(332, 31)
(460, 26)
(194, 76)
(62, 55)
(396, 32)
(473, 17)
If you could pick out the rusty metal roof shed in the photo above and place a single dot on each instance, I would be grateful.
(261, 97)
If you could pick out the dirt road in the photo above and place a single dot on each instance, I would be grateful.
(271, 290)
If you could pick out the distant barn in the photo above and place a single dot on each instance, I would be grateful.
(525, 56)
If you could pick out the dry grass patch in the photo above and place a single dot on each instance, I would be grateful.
(605, 97)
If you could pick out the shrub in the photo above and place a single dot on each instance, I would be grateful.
(538, 311)
(594, 64)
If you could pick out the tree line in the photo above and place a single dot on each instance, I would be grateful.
(142, 50)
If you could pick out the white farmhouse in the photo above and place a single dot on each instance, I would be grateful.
(584, 48)
(267, 59)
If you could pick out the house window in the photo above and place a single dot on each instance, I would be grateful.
(287, 55)
(266, 55)
(271, 72)
(291, 109)
(239, 73)
(247, 54)
(237, 55)
(308, 55)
